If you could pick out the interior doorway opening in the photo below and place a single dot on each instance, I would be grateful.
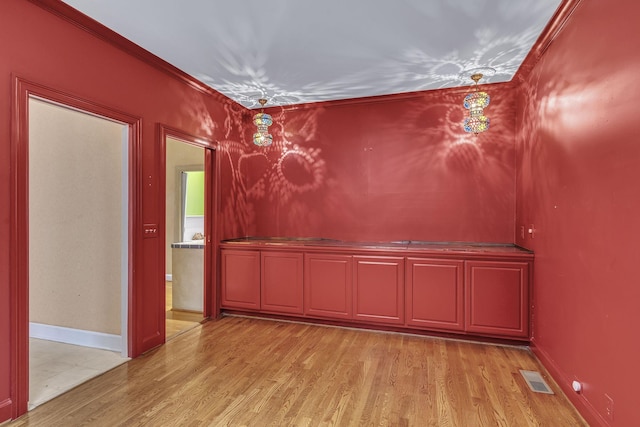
(78, 247)
(185, 235)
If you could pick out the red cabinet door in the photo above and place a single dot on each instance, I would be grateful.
(281, 284)
(497, 298)
(378, 290)
(327, 286)
(240, 278)
(434, 294)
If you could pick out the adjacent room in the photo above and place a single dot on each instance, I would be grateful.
(77, 297)
(319, 213)
(185, 221)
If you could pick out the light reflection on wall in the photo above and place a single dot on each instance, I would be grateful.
(456, 176)
(577, 160)
(384, 170)
(293, 170)
(264, 180)
(235, 211)
(564, 119)
(585, 107)
(236, 215)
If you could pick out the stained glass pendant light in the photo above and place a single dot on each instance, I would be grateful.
(262, 120)
(475, 102)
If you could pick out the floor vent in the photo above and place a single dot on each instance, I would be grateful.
(535, 382)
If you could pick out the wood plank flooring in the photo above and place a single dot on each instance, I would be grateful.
(252, 372)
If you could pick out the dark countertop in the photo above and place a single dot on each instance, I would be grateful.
(398, 245)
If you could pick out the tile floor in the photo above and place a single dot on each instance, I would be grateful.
(55, 367)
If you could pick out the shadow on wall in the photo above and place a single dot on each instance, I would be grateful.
(392, 168)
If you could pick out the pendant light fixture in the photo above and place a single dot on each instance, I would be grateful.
(475, 102)
(262, 120)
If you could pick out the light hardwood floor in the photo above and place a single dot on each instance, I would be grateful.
(252, 372)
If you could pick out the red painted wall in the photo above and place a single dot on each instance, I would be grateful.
(386, 168)
(577, 182)
(39, 46)
(400, 167)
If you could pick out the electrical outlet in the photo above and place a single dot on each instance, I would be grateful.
(609, 408)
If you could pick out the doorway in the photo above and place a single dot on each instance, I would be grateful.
(78, 247)
(185, 243)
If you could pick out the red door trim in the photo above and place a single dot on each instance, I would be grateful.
(19, 249)
(211, 193)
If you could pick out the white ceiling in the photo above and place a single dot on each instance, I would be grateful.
(298, 51)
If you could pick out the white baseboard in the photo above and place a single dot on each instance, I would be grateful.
(75, 336)
(168, 277)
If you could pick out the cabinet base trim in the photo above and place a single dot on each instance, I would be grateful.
(461, 337)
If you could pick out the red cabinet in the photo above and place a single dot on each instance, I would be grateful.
(477, 292)
(497, 300)
(281, 284)
(240, 274)
(435, 294)
(378, 289)
(328, 285)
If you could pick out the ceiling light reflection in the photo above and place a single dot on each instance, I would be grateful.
(284, 51)
(502, 46)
